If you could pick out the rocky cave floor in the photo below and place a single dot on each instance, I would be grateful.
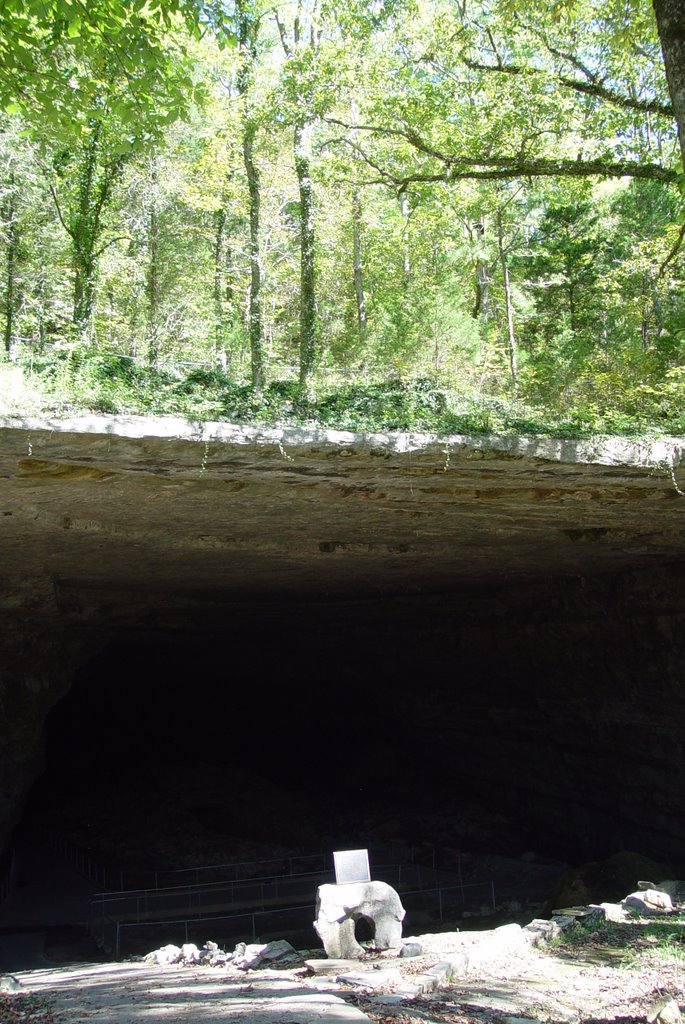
(612, 973)
(593, 975)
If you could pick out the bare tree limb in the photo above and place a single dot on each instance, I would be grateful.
(283, 34)
(62, 221)
(590, 88)
(112, 241)
(458, 167)
(675, 249)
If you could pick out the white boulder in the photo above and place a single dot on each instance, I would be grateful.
(651, 901)
(339, 907)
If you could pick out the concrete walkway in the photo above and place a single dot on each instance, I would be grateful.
(48, 894)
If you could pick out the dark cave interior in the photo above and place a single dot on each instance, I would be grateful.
(263, 733)
(480, 722)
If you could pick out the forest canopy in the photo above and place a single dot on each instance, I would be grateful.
(438, 214)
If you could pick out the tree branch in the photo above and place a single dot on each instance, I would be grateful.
(589, 88)
(675, 249)
(282, 33)
(112, 241)
(62, 221)
(458, 167)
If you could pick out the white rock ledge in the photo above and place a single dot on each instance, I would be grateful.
(609, 451)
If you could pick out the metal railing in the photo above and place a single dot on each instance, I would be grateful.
(147, 905)
(269, 923)
(80, 859)
(116, 879)
(8, 872)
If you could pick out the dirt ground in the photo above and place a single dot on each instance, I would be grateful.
(599, 979)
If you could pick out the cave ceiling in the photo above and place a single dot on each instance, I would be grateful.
(116, 520)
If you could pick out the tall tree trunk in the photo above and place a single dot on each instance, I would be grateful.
(357, 255)
(358, 268)
(41, 289)
(12, 236)
(152, 285)
(84, 225)
(84, 264)
(571, 304)
(670, 21)
(483, 286)
(218, 291)
(406, 254)
(511, 334)
(481, 305)
(248, 29)
(254, 317)
(302, 153)
(84, 228)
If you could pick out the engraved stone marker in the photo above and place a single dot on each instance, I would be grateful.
(351, 866)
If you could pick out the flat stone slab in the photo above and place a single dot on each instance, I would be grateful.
(331, 966)
(371, 979)
(126, 993)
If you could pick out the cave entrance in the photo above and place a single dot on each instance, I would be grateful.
(223, 745)
(482, 725)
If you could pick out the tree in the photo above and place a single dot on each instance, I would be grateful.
(300, 46)
(670, 20)
(248, 23)
(483, 108)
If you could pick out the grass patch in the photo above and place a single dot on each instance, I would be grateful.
(636, 942)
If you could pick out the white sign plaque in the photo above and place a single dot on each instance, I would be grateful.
(351, 866)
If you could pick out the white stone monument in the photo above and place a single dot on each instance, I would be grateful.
(355, 897)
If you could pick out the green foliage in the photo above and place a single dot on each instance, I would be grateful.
(86, 379)
(128, 225)
(57, 59)
(637, 942)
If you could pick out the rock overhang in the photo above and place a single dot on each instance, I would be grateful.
(95, 508)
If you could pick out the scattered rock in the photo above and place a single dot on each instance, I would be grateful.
(391, 998)
(613, 913)
(165, 955)
(330, 966)
(371, 979)
(411, 949)
(190, 954)
(540, 932)
(279, 950)
(603, 880)
(247, 955)
(664, 1011)
(565, 921)
(8, 983)
(649, 901)
(212, 956)
(675, 887)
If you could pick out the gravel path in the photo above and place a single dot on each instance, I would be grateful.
(550, 986)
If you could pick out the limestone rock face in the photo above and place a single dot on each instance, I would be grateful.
(339, 907)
